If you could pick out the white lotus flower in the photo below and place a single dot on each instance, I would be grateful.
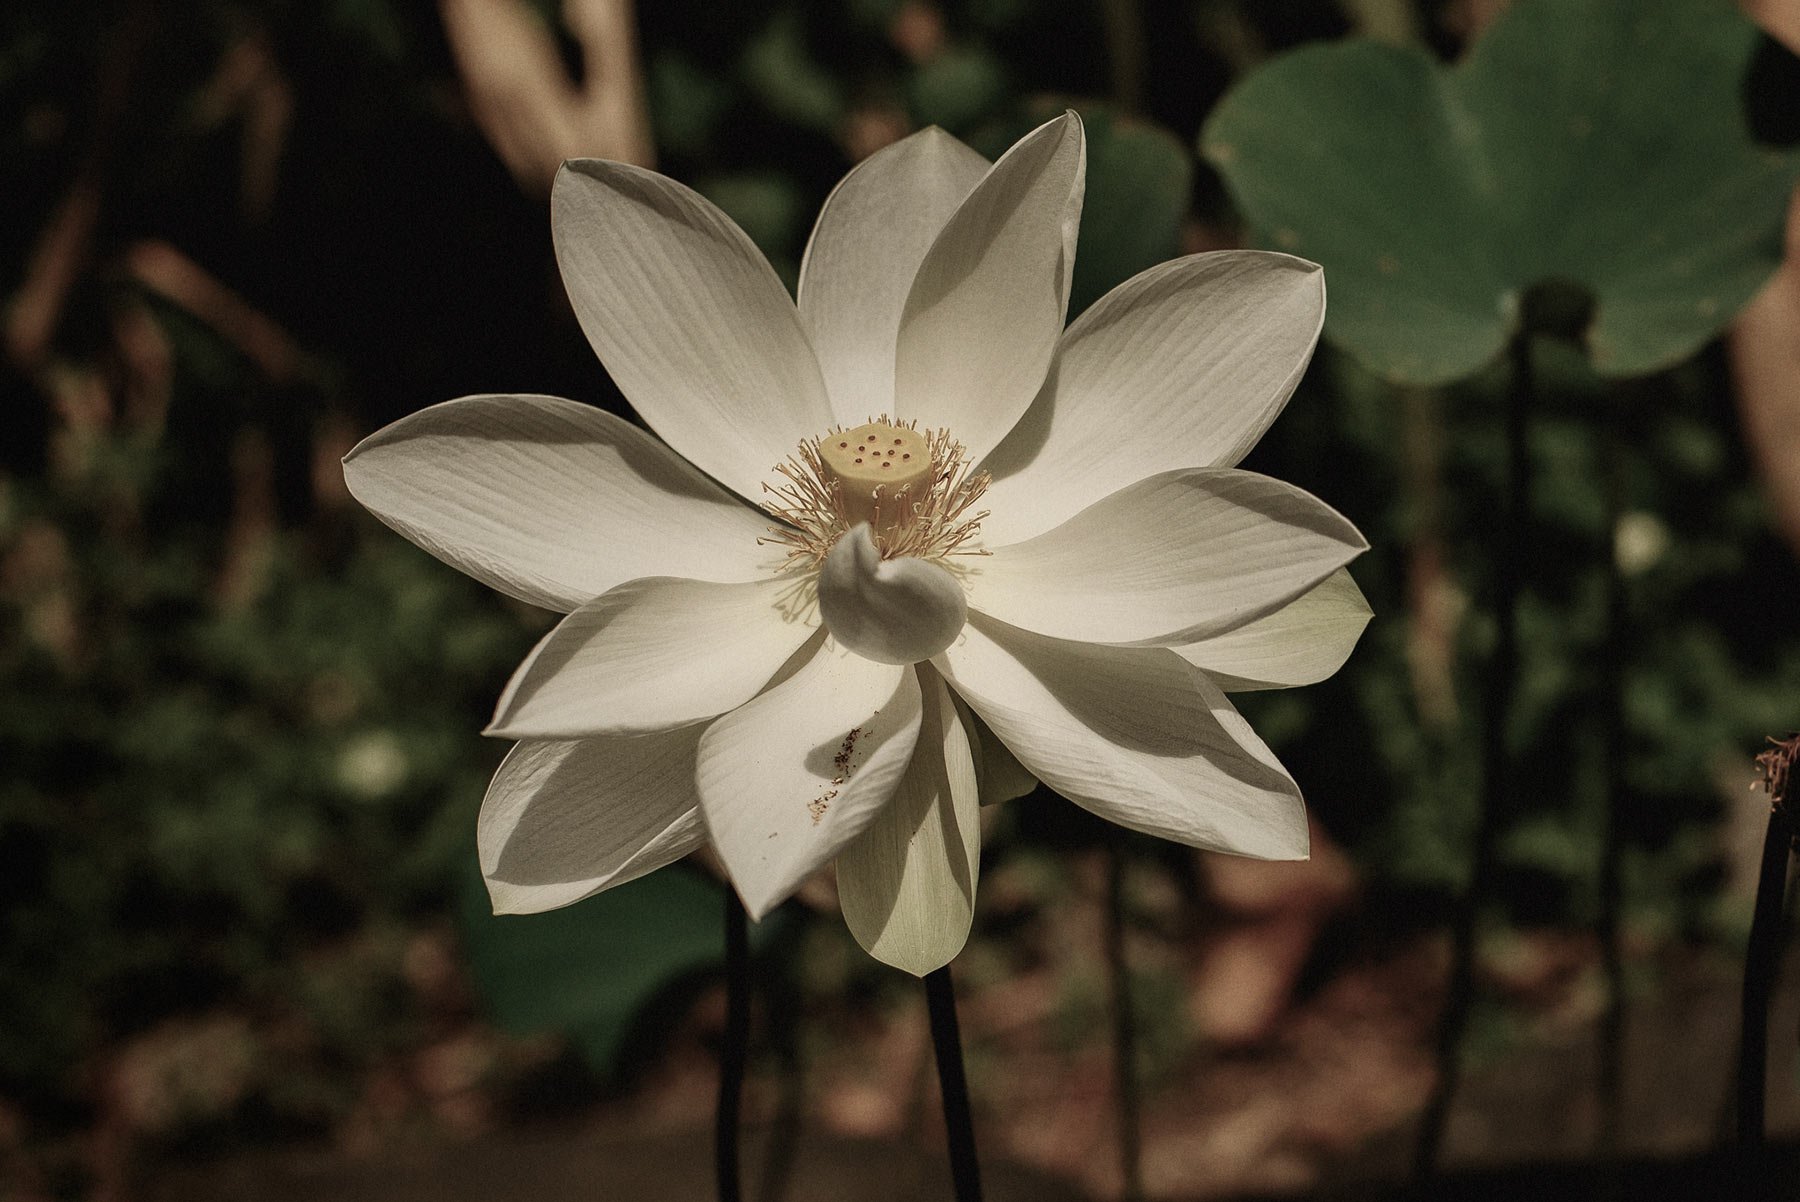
(778, 612)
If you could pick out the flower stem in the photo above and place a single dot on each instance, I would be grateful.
(1492, 803)
(1762, 956)
(959, 1126)
(781, 1006)
(734, 1050)
(1126, 1094)
(1126, 51)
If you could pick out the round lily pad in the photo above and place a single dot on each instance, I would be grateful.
(588, 971)
(1598, 146)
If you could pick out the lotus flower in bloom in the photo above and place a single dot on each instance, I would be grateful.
(891, 542)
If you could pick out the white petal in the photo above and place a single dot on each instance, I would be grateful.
(650, 655)
(564, 820)
(1137, 735)
(907, 883)
(986, 309)
(791, 778)
(1184, 365)
(551, 501)
(893, 611)
(1171, 559)
(1002, 777)
(1303, 642)
(865, 250)
(689, 318)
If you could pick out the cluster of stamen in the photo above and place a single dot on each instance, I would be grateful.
(913, 487)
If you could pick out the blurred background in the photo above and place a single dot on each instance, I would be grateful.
(244, 944)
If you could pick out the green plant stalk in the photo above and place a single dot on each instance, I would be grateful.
(1762, 957)
(781, 1006)
(1125, 51)
(1127, 1096)
(733, 1050)
(959, 1124)
(1502, 676)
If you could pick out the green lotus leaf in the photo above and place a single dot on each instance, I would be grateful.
(1596, 146)
(588, 971)
(956, 88)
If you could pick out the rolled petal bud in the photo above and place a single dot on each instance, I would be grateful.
(892, 611)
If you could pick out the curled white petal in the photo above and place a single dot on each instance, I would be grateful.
(790, 779)
(1303, 642)
(652, 654)
(893, 611)
(564, 820)
(1001, 776)
(865, 250)
(1173, 559)
(1133, 734)
(986, 309)
(551, 501)
(1184, 365)
(907, 883)
(690, 320)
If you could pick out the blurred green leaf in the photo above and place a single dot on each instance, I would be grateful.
(876, 14)
(767, 204)
(780, 70)
(1140, 180)
(999, 14)
(1558, 844)
(956, 88)
(588, 970)
(1601, 143)
(686, 103)
(375, 23)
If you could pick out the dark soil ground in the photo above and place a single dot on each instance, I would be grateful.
(1325, 1106)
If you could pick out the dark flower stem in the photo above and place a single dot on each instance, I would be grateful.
(1763, 955)
(781, 1006)
(959, 1125)
(1126, 51)
(1502, 674)
(734, 1050)
(1126, 1095)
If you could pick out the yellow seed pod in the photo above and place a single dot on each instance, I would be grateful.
(880, 470)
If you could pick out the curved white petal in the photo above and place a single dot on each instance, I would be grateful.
(789, 779)
(564, 820)
(1000, 774)
(893, 611)
(689, 319)
(907, 883)
(650, 655)
(1183, 365)
(1137, 735)
(551, 501)
(986, 309)
(1303, 642)
(1171, 559)
(865, 250)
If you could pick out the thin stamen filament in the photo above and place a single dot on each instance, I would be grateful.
(938, 521)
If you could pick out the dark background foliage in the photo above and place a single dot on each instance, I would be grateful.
(238, 756)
